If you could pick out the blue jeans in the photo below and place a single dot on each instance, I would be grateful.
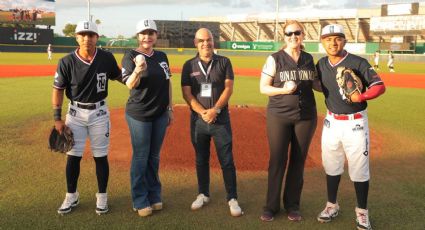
(221, 133)
(146, 140)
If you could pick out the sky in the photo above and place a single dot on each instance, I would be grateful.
(119, 17)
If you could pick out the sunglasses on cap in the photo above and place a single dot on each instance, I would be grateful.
(297, 33)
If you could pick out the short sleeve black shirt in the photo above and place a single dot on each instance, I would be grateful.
(327, 75)
(83, 81)
(300, 105)
(151, 97)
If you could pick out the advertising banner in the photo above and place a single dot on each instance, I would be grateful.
(26, 36)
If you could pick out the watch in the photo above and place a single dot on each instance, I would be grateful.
(217, 110)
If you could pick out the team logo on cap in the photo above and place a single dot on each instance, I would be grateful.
(331, 29)
(86, 25)
(146, 22)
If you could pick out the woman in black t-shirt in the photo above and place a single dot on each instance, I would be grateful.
(147, 74)
(287, 78)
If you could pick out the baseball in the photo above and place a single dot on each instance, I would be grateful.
(290, 85)
(139, 59)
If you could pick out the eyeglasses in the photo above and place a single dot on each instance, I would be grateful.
(297, 33)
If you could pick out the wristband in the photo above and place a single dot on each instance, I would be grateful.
(57, 114)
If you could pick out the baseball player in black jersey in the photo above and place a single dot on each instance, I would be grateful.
(147, 74)
(287, 78)
(83, 76)
(345, 128)
(207, 84)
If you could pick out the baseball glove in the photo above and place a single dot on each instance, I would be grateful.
(349, 83)
(61, 142)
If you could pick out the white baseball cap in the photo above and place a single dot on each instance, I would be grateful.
(333, 30)
(86, 26)
(145, 24)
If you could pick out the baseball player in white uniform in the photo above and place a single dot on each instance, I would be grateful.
(345, 129)
(83, 77)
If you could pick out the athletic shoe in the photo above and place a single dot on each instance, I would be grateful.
(330, 212)
(157, 206)
(145, 211)
(101, 203)
(362, 219)
(71, 201)
(235, 210)
(267, 217)
(294, 215)
(200, 201)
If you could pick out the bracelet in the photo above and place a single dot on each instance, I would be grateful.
(57, 114)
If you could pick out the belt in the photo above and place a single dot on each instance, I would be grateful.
(353, 116)
(89, 106)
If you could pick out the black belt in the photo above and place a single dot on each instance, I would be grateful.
(89, 106)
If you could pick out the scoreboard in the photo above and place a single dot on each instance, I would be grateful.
(26, 36)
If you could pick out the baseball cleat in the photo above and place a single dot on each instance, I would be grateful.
(330, 212)
(362, 219)
(71, 201)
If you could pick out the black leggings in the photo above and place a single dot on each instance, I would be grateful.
(282, 132)
(73, 172)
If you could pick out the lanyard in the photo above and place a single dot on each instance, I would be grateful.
(207, 74)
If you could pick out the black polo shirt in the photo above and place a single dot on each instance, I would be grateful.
(86, 82)
(193, 76)
(327, 75)
(300, 105)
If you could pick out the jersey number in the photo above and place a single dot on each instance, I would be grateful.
(101, 82)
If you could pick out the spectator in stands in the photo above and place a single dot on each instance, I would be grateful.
(287, 78)
(390, 63)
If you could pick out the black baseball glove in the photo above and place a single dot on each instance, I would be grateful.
(349, 83)
(61, 142)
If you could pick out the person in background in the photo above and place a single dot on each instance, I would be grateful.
(390, 63)
(148, 112)
(287, 78)
(49, 52)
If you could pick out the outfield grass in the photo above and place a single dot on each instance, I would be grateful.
(32, 181)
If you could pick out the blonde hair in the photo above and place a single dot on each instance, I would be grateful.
(293, 22)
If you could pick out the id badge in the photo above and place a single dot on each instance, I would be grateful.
(206, 89)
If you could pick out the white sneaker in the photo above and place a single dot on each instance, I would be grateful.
(101, 203)
(235, 210)
(331, 211)
(362, 219)
(71, 200)
(200, 201)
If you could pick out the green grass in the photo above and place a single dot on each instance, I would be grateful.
(32, 182)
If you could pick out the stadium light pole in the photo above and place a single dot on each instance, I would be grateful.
(276, 32)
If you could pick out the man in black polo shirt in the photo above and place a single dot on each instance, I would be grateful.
(207, 84)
